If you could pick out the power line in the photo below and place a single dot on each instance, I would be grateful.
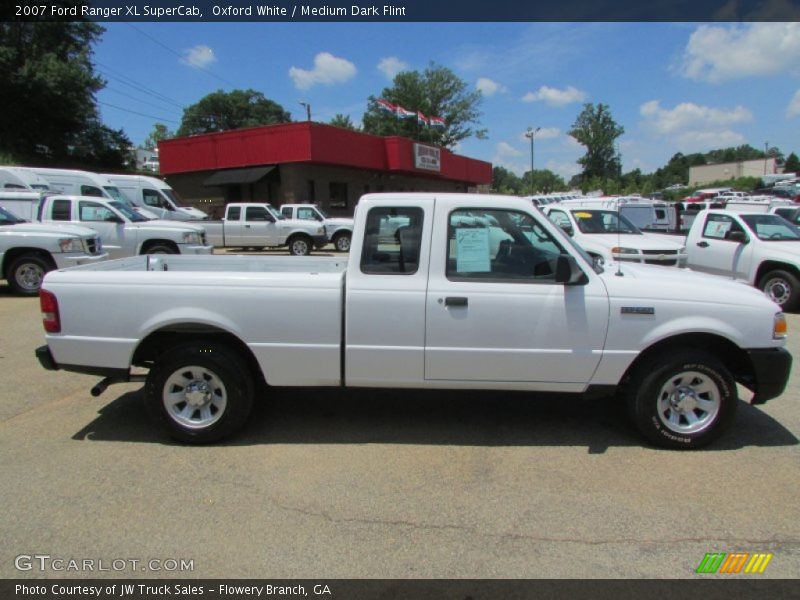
(137, 113)
(134, 99)
(178, 54)
(121, 78)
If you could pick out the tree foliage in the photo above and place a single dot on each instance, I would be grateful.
(436, 91)
(160, 132)
(221, 111)
(544, 181)
(792, 164)
(47, 101)
(595, 129)
(343, 121)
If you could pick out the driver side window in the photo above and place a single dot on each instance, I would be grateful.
(89, 211)
(501, 246)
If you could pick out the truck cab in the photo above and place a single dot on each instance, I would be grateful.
(339, 230)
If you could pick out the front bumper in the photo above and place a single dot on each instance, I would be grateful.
(189, 249)
(771, 368)
(320, 241)
(71, 259)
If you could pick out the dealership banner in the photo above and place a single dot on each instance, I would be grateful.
(401, 10)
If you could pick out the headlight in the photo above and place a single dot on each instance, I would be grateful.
(779, 328)
(191, 237)
(70, 245)
(618, 250)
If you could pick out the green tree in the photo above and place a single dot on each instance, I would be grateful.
(792, 164)
(160, 132)
(436, 91)
(48, 88)
(505, 182)
(220, 111)
(99, 147)
(343, 121)
(595, 129)
(544, 182)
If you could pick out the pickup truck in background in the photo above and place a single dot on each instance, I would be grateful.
(606, 234)
(762, 249)
(339, 230)
(436, 305)
(124, 231)
(29, 250)
(258, 225)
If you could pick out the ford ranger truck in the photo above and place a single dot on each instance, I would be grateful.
(440, 291)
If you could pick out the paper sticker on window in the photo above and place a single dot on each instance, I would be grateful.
(472, 251)
(717, 229)
(583, 215)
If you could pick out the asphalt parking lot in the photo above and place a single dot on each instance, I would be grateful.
(383, 484)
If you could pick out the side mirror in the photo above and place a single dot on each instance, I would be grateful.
(740, 237)
(568, 272)
(567, 228)
(114, 219)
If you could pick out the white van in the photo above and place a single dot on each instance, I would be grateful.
(155, 195)
(19, 178)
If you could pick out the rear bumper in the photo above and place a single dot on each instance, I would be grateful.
(46, 359)
(771, 367)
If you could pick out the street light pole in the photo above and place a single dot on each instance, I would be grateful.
(530, 133)
(308, 110)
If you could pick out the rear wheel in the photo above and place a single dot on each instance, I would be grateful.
(342, 242)
(199, 392)
(782, 287)
(25, 274)
(686, 401)
(300, 246)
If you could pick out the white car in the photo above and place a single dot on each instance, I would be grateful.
(338, 229)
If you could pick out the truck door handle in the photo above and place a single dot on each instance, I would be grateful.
(703, 244)
(455, 301)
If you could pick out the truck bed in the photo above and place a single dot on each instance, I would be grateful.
(288, 310)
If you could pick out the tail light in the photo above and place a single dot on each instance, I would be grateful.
(50, 317)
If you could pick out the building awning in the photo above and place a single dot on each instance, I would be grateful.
(238, 176)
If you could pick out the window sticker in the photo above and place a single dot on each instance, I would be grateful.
(472, 251)
(717, 229)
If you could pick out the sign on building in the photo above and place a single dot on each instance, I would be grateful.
(428, 158)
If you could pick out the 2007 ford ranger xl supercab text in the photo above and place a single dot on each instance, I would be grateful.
(462, 291)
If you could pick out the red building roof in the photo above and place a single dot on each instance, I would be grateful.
(311, 143)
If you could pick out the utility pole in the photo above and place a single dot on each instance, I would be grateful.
(530, 133)
(766, 156)
(308, 109)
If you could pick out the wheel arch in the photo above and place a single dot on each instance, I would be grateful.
(732, 356)
(13, 253)
(772, 265)
(149, 243)
(164, 338)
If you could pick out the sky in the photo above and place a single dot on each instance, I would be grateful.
(682, 87)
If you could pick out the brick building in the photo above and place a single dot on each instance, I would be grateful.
(309, 162)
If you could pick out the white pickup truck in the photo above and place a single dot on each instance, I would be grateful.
(762, 249)
(338, 229)
(29, 250)
(258, 225)
(124, 231)
(606, 234)
(437, 306)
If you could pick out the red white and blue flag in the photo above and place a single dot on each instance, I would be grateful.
(422, 119)
(386, 106)
(404, 113)
(437, 122)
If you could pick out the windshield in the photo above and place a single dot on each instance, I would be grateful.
(278, 216)
(641, 216)
(772, 228)
(603, 221)
(7, 218)
(173, 196)
(128, 212)
(322, 213)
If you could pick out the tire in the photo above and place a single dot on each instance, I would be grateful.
(342, 242)
(25, 274)
(782, 287)
(160, 249)
(693, 378)
(217, 380)
(300, 245)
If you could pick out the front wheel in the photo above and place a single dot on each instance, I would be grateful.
(161, 249)
(300, 246)
(199, 392)
(685, 401)
(782, 287)
(342, 242)
(25, 274)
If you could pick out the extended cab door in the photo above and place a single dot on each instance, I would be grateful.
(232, 226)
(108, 224)
(494, 313)
(713, 251)
(258, 228)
